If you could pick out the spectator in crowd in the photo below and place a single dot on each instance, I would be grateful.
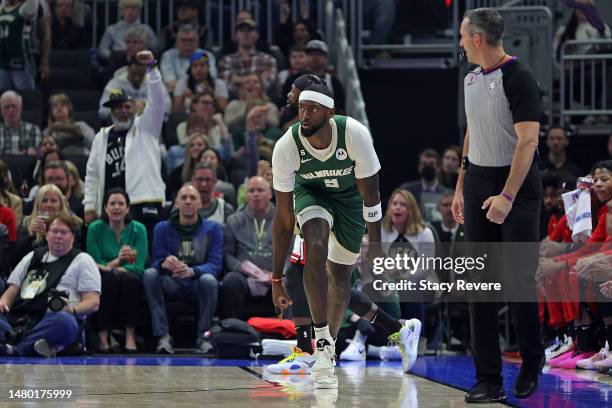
(451, 160)
(226, 190)
(56, 172)
(75, 184)
(39, 176)
(194, 123)
(248, 250)
(289, 35)
(134, 85)
(318, 64)
(236, 68)
(252, 92)
(118, 244)
(135, 41)
(447, 229)
(181, 174)
(428, 189)
(186, 264)
(199, 80)
(584, 24)
(16, 136)
(212, 124)
(556, 161)
(289, 113)
(204, 179)
(47, 143)
(72, 138)
(114, 35)
(187, 12)
(7, 193)
(404, 227)
(264, 169)
(17, 60)
(297, 65)
(176, 61)
(31, 232)
(550, 202)
(67, 269)
(128, 155)
(67, 34)
(231, 47)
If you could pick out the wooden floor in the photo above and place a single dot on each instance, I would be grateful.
(121, 385)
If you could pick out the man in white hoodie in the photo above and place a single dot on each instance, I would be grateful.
(127, 154)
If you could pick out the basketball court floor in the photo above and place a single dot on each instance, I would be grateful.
(180, 381)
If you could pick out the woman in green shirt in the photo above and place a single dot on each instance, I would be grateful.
(119, 246)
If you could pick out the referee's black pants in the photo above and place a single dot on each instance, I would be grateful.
(521, 225)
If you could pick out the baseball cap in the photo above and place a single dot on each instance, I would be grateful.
(317, 45)
(117, 95)
(246, 22)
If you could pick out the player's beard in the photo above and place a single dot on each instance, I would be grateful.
(313, 129)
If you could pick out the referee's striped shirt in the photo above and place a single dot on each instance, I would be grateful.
(495, 100)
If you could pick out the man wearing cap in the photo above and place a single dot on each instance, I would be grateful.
(134, 84)
(175, 62)
(325, 174)
(127, 155)
(233, 68)
(318, 64)
(187, 12)
(289, 113)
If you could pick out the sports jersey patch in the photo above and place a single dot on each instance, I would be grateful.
(341, 154)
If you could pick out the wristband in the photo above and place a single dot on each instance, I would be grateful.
(464, 162)
(372, 214)
(276, 280)
(507, 196)
(151, 65)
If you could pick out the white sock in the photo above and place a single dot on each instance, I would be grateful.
(322, 333)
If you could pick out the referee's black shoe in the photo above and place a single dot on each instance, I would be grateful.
(485, 392)
(529, 377)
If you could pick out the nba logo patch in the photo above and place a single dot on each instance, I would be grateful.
(341, 154)
(471, 78)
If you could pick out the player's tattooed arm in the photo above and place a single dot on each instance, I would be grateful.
(368, 187)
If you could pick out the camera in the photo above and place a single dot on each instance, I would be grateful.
(56, 301)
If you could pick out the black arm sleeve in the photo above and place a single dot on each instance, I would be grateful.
(523, 93)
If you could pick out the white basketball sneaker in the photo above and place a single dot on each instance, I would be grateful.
(298, 362)
(323, 372)
(356, 351)
(407, 340)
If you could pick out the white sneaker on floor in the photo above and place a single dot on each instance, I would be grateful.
(407, 340)
(273, 347)
(589, 363)
(44, 349)
(298, 362)
(566, 346)
(356, 351)
(323, 372)
(552, 348)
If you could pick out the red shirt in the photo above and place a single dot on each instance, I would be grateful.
(7, 217)
(598, 235)
(561, 232)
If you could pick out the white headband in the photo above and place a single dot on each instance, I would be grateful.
(317, 97)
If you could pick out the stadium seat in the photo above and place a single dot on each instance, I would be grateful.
(68, 59)
(70, 79)
(89, 116)
(170, 138)
(35, 117)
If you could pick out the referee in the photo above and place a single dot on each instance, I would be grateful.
(499, 192)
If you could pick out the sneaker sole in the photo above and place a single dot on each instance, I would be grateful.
(326, 383)
(42, 348)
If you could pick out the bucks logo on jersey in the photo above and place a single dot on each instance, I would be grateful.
(336, 173)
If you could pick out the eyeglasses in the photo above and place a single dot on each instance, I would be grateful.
(61, 232)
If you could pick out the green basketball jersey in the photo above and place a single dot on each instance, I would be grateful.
(15, 40)
(334, 175)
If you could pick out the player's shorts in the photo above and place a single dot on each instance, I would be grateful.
(344, 214)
